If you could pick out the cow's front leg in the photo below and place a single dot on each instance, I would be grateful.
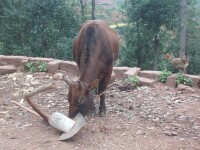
(102, 107)
(92, 110)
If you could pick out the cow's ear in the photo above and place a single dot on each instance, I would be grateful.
(93, 85)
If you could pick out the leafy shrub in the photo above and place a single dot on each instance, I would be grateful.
(38, 66)
(163, 76)
(180, 79)
(133, 79)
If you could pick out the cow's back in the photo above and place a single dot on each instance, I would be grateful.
(99, 38)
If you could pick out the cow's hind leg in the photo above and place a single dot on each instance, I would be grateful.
(102, 106)
(101, 90)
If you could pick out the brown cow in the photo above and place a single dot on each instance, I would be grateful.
(95, 50)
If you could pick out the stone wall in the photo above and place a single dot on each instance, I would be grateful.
(11, 64)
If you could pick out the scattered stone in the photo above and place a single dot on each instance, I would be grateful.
(171, 133)
(13, 137)
(181, 87)
(130, 107)
(127, 86)
(57, 76)
(39, 74)
(186, 89)
(189, 90)
(29, 77)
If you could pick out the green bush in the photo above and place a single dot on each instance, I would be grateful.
(180, 79)
(133, 79)
(38, 66)
(163, 76)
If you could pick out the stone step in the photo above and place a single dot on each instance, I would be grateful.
(7, 69)
(146, 81)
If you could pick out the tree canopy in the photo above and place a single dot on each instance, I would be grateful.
(43, 28)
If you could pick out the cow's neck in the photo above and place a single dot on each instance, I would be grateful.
(89, 71)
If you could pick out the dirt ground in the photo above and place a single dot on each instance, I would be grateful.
(143, 118)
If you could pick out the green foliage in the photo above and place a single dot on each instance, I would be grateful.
(133, 79)
(180, 79)
(143, 34)
(150, 19)
(44, 28)
(193, 36)
(163, 76)
(38, 66)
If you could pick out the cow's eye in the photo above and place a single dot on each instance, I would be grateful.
(80, 100)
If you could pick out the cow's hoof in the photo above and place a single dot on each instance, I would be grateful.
(102, 114)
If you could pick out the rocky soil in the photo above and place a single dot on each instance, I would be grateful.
(138, 118)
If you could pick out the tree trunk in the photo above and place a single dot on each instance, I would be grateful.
(44, 40)
(156, 43)
(183, 15)
(93, 9)
(82, 9)
(138, 50)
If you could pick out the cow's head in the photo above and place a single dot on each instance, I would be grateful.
(80, 96)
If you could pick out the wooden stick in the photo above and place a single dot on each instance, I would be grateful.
(36, 91)
(26, 108)
(40, 90)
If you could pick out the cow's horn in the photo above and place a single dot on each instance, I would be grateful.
(66, 79)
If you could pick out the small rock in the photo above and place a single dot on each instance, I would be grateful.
(181, 87)
(13, 137)
(123, 134)
(189, 90)
(130, 107)
(156, 119)
(57, 76)
(171, 133)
